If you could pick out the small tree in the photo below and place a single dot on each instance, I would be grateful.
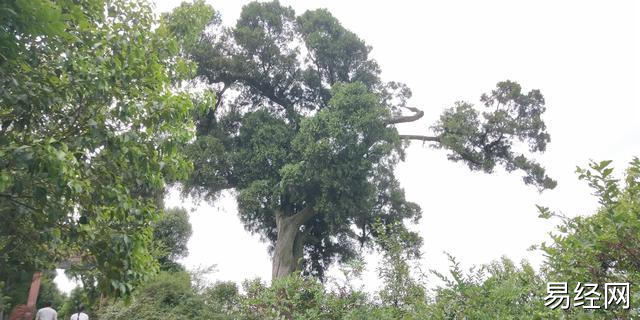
(401, 290)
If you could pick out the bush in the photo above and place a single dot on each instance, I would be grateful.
(168, 296)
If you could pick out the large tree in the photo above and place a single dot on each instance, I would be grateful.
(305, 132)
(89, 132)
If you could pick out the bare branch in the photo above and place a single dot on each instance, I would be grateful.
(402, 119)
(219, 96)
(419, 137)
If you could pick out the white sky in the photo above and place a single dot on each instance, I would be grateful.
(582, 55)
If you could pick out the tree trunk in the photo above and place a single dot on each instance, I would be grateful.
(289, 244)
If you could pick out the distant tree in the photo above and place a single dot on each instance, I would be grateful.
(305, 132)
(171, 234)
(89, 133)
(77, 297)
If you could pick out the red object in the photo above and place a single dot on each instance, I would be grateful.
(33, 291)
(23, 312)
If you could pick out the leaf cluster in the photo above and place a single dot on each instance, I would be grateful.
(89, 133)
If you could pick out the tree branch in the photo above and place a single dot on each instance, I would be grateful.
(13, 199)
(303, 216)
(219, 96)
(402, 119)
(419, 137)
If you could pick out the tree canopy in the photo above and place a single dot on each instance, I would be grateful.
(305, 132)
(89, 133)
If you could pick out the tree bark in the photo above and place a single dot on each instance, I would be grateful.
(289, 244)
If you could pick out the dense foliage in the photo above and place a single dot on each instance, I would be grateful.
(603, 247)
(167, 296)
(499, 290)
(170, 236)
(99, 112)
(89, 133)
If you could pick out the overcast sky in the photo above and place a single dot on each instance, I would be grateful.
(582, 55)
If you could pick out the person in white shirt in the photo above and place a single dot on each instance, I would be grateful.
(47, 313)
(80, 315)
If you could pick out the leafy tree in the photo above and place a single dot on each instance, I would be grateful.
(603, 247)
(89, 133)
(304, 131)
(171, 234)
(187, 21)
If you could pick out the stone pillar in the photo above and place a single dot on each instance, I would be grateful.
(35, 288)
